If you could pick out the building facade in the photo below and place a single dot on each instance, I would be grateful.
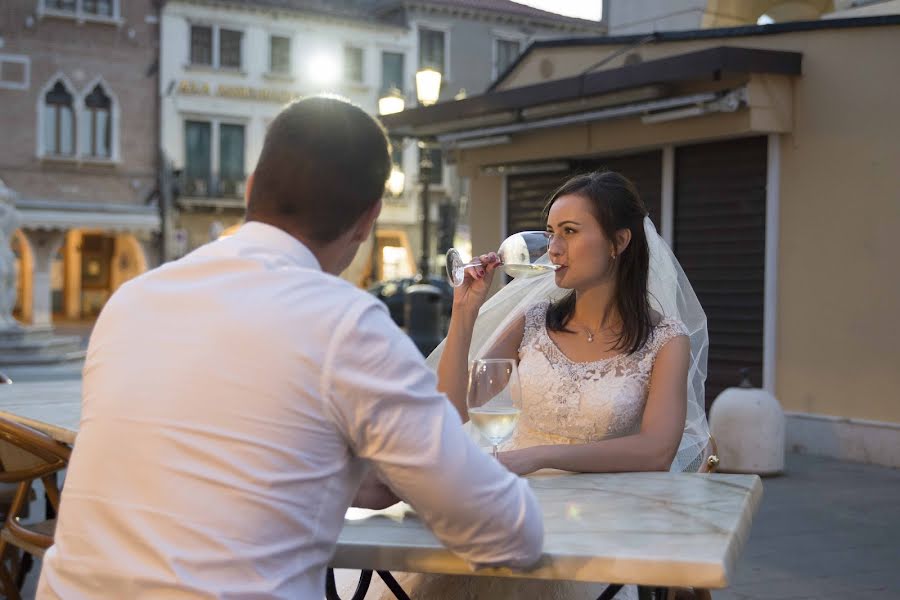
(228, 68)
(630, 17)
(78, 150)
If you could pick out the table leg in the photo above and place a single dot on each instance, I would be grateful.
(393, 585)
(365, 579)
(610, 592)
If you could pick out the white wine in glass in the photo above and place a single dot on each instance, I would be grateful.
(494, 398)
(518, 254)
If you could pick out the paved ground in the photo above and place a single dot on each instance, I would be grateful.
(825, 530)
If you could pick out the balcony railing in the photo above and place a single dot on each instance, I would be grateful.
(211, 186)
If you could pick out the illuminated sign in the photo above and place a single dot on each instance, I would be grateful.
(240, 92)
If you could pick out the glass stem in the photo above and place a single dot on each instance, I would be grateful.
(495, 451)
(474, 263)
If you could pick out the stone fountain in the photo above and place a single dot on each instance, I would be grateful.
(20, 344)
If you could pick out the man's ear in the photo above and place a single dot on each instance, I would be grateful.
(366, 223)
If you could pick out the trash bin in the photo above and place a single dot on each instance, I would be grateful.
(423, 316)
(393, 293)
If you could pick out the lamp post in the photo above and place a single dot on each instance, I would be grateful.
(425, 166)
(428, 90)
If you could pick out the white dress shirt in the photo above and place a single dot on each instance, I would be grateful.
(231, 402)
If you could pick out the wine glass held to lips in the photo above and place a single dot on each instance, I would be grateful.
(494, 398)
(518, 254)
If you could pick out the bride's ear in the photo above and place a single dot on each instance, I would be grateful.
(623, 238)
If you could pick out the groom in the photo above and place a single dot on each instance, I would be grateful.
(234, 400)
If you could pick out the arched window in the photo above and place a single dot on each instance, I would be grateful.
(59, 121)
(98, 125)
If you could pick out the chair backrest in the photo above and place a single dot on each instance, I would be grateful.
(26, 455)
(710, 457)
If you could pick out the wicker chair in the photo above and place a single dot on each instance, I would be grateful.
(26, 455)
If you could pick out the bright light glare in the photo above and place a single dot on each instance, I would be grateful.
(323, 69)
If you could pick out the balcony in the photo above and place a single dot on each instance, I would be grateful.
(210, 191)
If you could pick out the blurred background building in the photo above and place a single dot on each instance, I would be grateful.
(78, 149)
(227, 68)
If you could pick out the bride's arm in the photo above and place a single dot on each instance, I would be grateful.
(453, 368)
(653, 448)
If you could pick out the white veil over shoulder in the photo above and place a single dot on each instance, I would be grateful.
(670, 294)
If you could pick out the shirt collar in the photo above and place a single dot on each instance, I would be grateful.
(280, 241)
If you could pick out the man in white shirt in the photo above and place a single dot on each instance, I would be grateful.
(234, 399)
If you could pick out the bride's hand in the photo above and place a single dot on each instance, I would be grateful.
(474, 289)
(521, 462)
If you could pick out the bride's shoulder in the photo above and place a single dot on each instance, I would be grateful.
(666, 327)
(538, 309)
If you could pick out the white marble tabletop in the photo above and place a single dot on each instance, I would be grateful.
(645, 528)
(658, 529)
(53, 407)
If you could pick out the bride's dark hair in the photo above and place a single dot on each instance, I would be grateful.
(616, 206)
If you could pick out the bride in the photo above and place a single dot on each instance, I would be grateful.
(611, 352)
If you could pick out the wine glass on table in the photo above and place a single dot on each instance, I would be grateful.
(518, 254)
(493, 399)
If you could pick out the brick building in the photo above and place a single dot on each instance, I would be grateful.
(79, 123)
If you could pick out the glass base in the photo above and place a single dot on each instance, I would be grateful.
(456, 271)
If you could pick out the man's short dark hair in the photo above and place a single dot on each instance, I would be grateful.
(323, 164)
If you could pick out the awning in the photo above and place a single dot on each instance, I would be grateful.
(62, 216)
(650, 80)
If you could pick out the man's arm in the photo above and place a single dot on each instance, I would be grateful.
(374, 494)
(384, 400)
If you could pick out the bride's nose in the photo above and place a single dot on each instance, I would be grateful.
(556, 246)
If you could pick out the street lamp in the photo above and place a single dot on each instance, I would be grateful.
(428, 91)
(396, 181)
(428, 86)
(392, 102)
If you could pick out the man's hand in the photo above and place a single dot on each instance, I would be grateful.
(373, 494)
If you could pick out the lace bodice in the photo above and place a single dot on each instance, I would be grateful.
(567, 402)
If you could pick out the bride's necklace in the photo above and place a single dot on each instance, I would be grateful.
(587, 330)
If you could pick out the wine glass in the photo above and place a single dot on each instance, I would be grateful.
(493, 399)
(518, 254)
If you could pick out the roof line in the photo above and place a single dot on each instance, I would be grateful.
(699, 34)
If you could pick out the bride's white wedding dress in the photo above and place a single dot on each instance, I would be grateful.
(563, 402)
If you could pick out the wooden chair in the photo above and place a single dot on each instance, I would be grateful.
(26, 455)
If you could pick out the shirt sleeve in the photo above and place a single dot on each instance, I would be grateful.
(384, 400)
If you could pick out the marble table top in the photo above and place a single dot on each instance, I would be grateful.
(646, 528)
(53, 407)
(658, 529)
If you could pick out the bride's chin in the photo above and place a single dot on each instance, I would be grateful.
(561, 280)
